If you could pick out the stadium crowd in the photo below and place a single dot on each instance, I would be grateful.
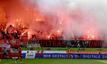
(11, 40)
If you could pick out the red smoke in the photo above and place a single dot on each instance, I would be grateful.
(29, 19)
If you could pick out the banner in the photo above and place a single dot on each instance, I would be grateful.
(30, 54)
(57, 55)
(24, 54)
(60, 54)
(104, 56)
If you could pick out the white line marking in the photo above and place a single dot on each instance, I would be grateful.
(103, 61)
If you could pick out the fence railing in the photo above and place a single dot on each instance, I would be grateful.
(70, 43)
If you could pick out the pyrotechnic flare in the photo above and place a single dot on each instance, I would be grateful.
(72, 17)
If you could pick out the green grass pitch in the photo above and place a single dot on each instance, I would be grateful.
(54, 61)
(57, 61)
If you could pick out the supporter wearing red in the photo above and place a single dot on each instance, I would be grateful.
(15, 43)
(24, 39)
(6, 49)
(13, 32)
(20, 53)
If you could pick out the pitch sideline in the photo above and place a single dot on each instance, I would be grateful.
(103, 61)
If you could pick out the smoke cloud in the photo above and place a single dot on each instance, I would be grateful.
(78, 17)
(70, 17)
